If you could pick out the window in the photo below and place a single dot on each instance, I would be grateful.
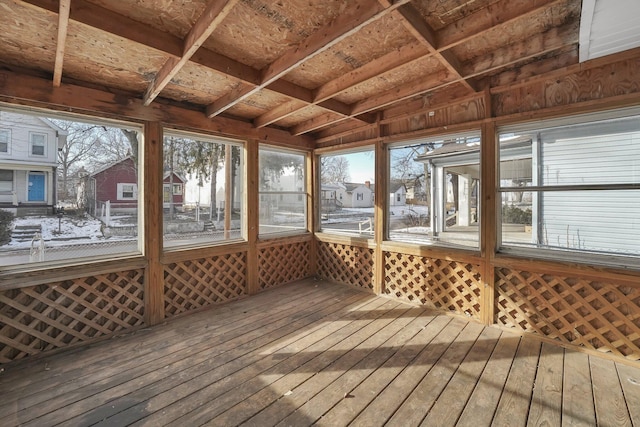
(203, 190)
(97, 183)
(572, 187)
(127, 191)
(283, 207)
(6, 180)
(441, 177)
(38, 143)
(350, 176)
(5, 140)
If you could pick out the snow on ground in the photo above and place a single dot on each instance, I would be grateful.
(64, 229)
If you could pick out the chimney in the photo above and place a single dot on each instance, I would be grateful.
(368, 184)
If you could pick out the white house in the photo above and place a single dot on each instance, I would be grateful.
(355, 195)
(397, 194)
(28, 161)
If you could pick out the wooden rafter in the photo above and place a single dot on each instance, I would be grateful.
(361, 14)
(63, 25)
(474, 25)
(211, 17)
(122, 26)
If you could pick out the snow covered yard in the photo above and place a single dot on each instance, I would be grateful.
(54, 229)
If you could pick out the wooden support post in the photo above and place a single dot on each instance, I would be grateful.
(380, 215)
(313, 206)
(152, 217)
(488, 219)
(228, 178)
(253, 217)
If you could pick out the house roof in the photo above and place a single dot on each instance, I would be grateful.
(110, 165)
(298, 67)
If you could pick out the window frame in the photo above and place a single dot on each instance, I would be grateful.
(573, 255)
(265, 196)
(462, 159)
(6, 132)
(11, 181)
(32, 144)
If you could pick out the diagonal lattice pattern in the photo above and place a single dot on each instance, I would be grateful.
(193, 284)
(586, 313)
(446, 285)
(283, 263)
(345, 264)
(44, 317)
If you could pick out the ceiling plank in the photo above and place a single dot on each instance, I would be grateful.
(215, 12)
(495, 15)
(119, 25)
(63, 25)
(392, 60)
(361, 14)
(418, 27)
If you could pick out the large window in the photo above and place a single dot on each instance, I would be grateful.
(572, 186)
(433, 191)
(81, 205)
(347, 188)
(283, 206)
(202, 190)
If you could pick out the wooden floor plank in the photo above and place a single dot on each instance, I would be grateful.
(546, 403)
(513, 408)
(482, 404)
(611, 408)
(361, 396)
(385, 404)
(65, 406)
(319, 353)
(185, 375)
(172, 402)
(342, 387)
(338, 359)
(577, 393)
(143, 343)
(451, 402)
(630, 381)
(422, 398)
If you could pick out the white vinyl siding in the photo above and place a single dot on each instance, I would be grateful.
(583, 191)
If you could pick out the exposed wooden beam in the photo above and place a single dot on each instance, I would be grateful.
(122, 26)
(63, 25)
(361, 14)
(214, 13)
(21, 88)
(316, 123)
(497, 14)
(423, 32)
(492, 16)
(394, 59)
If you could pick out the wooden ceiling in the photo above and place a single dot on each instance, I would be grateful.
(303, 66)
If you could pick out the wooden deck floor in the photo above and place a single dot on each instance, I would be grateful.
(325, 354)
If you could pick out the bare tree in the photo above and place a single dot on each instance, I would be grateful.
(334, 169)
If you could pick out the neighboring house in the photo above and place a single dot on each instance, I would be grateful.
(177, 182)
(117, 184)
(28, 162)
(356, 195)
(397, 194)
(329, 197)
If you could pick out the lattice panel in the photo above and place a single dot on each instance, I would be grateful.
(45, 317)
(346, 264)
(447, 285)
(283, 264)
(590, 314)
(193, 284)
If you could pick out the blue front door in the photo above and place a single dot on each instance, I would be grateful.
(36, 187)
